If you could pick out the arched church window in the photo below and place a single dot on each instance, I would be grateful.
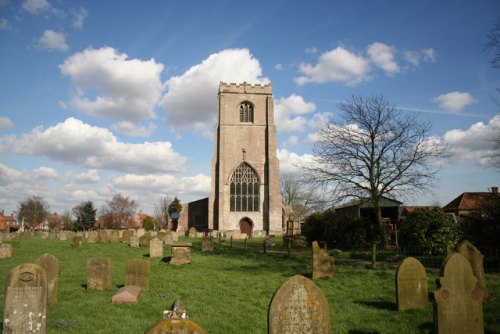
(246, 112)
(242, 198)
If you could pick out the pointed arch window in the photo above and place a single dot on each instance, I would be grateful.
(244, 189)
(246, 112)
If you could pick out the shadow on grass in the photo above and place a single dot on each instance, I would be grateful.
(381, 305)
(360, 331)
(84, 285)
(166, 259)
(426, 327)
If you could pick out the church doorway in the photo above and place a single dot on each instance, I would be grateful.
(246, 226)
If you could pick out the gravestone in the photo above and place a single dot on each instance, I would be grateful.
(127, 295)
(5, 251)
(323, 263)
(458, 300)
(169, 237)
(102, 236)
(175, 326)
(181, 230)
(475, 258)
(140, 232)
(50, 264)
(207, 244)
(99, 273)
(192, 233)
(25, 235)
(134, 241)
(156, 248)
(161, 235)
(126, 236)
(77, 242)
(144, 240)
(92, 237)
(270, 241)
(137, 273)
(115, 237)
(299, 306)
(175, 236)
(25, 302)
(44, 235)
(181, 253)
(63, 236)
(411, 285)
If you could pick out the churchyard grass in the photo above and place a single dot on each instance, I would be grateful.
(226, 291)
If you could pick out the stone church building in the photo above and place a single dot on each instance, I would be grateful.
(245, 195)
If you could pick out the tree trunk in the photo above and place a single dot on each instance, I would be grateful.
(380, 224)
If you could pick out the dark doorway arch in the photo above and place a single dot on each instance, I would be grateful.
(246, 226)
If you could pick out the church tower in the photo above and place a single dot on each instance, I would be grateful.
(245, 195)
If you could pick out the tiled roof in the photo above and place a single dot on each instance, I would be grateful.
(470, 201)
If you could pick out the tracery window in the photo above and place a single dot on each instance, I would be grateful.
(244, 189)
(246, 112)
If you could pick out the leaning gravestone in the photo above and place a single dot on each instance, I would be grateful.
(99, 273)
(5, 251)
(411, 285)
(192, 232)
(127, 295)
(25, 300)
(92, 237)
(322, 262)
(144, 240)
(77, 242)
(475, 258)
(115, 237)
(50, 264)
(458, 300)
(207, 244)
(137, 273)
(299, 306)
(134, 241)
(156, 248)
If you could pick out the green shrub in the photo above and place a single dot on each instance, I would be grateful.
(148, 223)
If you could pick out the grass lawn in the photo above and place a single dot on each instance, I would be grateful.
(227, 291)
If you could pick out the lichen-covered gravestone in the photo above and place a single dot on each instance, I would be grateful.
(175, 326)
(181, 253)
(25, 300)
(458, 300)
(156, 248)
(92, 237)
(299, 306)
(322, 262)
(77, 242)
(137, 273)
(207, 244)
(115, 237)
(103, 236)
(99, 273)
(411, 285)
(161, 235)
(50, 264)
(169, 237)
(5, 251)
(126, 236)
(192, 232)
(475, 258)
(134, 241)
(144, 240)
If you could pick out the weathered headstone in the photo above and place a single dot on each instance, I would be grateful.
(411, 285)
(77, 242)
(475, 258)
(299, 306)
(127, 295)
(44, 235)
(169, 237)
(207, 244)
(322, 262)
(25, 235)
(5, 251)
(175, 326)
(192, 233)
(140, 232)
(102, 236)
(181, 253)
(92, 237)
(458, 300)
(156, 248)
(63, 236)
(99, 273)
(115, 237)
(25, 300)
(270, 241)
(52, 235)
(161, 235)
(137, 273)
(50, 264)
(144, 240)
(126, 236)
(181, 230)
(134, 241)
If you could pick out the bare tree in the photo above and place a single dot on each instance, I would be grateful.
(119, 211)
(33, 211)
(161, 212)
(374, 151)
(302, 196)
(493, 44)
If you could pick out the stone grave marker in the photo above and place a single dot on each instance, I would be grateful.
(140, 232)
(192, 233)
(5, 251)
(127, 295)
(25, 235)
(299, 306)
(77, 242)
(411, 285)
(270, 241)
(102, 236)
(181, 253)
(181, 230)
(115, 237)
(156, 248)
(144, 240)
(25, 302)
(475, 258)
(169, 237)
(161, 235)
(175, 326)
(63, 235)
(207, 244)
(126, 236)
(458, 300)
(137, 273)
(323, 263)
(99, 273)
(52, 235)
(44, 235)
(134, 241)
(92, 237)
(50, 264)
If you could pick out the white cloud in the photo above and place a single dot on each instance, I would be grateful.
(129, 88)
(91, 176)
(5, 123)
(190, 100)
(412, 57)
(474, 143)
(454, 101)
(292, 141)
(45, 172)
(80, 17)
(53, 40)
(279, 67)
(382, 56)
(291, 162)
(164, 183)
(337, 65)
(78, 143)
(287, 109)
(429, 54)
(4, 24)
(134, 130)
(36, 6)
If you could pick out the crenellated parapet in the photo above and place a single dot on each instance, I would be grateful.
(245, 88)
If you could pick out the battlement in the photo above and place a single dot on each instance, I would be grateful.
(245, 88)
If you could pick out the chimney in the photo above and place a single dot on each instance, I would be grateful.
(494, 190)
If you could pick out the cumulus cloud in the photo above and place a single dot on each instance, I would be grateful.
(127, 89)
(197, 184)
(90, 176)
(5, 123)
(429, 54)
(36, 6)
(79, 18)
(414, 58)
(454, 101)
(53, 40)
(288, 112)
(474, 143)
(290, 162)
(337, 65)
(382, 56)
(133, 129)
(77, 143)
(45, 172)
(190, 99)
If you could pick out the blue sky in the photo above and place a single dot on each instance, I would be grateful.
(106, 97)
